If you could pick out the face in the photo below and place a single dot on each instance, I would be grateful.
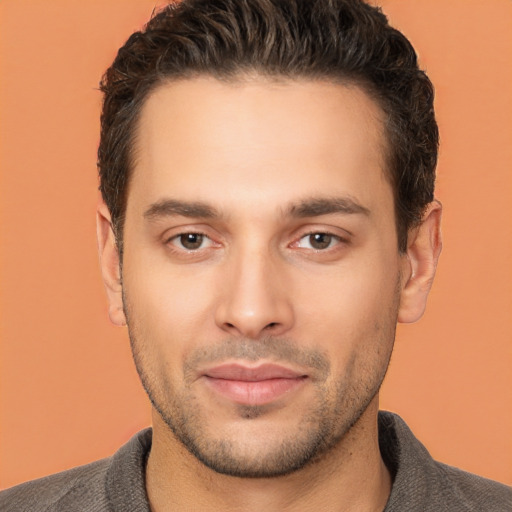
(261, 275)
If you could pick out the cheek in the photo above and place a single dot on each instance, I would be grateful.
(356, 291)
(169, 302)
(351, 311)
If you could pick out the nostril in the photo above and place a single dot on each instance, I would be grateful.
(271, 325)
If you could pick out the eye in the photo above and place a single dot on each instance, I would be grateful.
(190, 241)
(318, 241)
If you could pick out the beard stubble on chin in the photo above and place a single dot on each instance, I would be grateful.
(322, 425)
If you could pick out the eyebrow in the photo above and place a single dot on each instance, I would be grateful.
(315, 207)
(312, 207)
(172, 207)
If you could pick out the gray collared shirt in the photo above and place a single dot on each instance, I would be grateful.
(116, 484)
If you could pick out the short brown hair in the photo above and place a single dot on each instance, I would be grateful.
(339, 40)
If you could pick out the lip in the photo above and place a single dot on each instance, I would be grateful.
(252, 373)
(257, 385)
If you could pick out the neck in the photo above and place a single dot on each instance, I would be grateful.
(350, 477)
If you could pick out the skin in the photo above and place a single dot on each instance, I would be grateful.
(282, 188)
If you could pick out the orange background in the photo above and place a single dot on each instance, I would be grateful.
(69, 392)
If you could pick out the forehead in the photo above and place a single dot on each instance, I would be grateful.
(203, 138)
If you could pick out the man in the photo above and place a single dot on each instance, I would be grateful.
(267, 170)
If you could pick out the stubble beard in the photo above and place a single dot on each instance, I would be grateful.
(331, 416)
(322, 427)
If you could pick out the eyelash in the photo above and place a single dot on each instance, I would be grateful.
(338, 239)
(194, 233)
(332, 237)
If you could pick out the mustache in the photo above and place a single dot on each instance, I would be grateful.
(270, 348)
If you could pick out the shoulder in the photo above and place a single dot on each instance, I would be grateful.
(423, 484)
(115, 483)
(82, 484)
(472, 492)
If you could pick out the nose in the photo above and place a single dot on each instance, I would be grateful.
(255, 298)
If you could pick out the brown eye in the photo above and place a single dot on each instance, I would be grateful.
(320, 241)
(191, 241)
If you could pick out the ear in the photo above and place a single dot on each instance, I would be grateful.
(109, 263)
(420, 263)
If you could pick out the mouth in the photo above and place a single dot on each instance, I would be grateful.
(257, 385)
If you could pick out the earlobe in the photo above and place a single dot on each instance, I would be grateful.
(109, 263)
(420, 263)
